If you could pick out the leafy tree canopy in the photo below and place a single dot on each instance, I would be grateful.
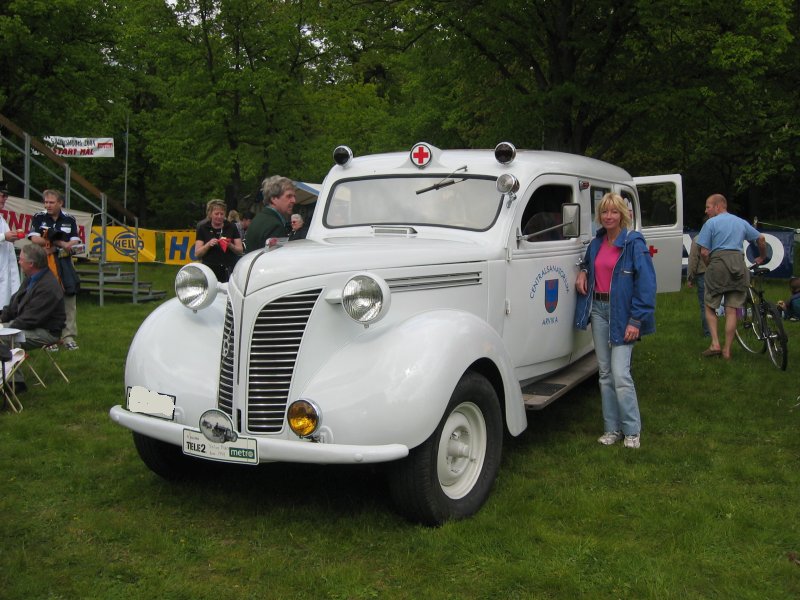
(214, 95)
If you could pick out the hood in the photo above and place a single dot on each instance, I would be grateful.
(305, 258)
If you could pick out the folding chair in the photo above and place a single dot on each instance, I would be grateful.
(52, 360)
(10, 367)
(15, 336)
(49, 355)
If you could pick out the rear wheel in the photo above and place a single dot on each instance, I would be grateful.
(748, 329)
(776, 338)
(450, 475)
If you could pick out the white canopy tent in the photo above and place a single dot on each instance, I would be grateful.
(307, 193)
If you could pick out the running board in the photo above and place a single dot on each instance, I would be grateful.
(540, 393)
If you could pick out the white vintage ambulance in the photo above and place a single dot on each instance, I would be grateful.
(429, 308)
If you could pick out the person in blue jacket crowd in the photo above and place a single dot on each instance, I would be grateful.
(617, 294)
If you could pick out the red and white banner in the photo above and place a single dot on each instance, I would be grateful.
(81, 147)
(18, 213)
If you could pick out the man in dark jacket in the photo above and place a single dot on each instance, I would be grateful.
(37, 308)
(273, 220)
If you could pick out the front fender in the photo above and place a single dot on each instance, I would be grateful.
(177, 351)
(391, 385)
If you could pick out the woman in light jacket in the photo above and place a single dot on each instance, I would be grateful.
(617, 294)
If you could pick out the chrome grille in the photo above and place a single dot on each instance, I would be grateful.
(227, 354)
(277, 334)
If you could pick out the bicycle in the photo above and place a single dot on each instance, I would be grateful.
(760, 325)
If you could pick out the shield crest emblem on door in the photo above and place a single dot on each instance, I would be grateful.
(551, 294)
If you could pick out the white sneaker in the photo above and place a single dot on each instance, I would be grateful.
(631, 441)
(610, 437)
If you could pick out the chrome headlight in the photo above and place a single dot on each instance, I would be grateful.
(196, 286)
(366, 298)
(507, 183)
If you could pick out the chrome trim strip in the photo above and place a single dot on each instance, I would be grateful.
(430, 282)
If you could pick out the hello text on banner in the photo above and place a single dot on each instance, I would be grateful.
(123, 245)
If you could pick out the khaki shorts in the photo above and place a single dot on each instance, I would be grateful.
(733, 299)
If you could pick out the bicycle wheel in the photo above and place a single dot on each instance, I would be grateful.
(776, 338)
(749, 327)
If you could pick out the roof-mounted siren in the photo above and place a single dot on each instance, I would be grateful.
(342, 155)
(505, 152)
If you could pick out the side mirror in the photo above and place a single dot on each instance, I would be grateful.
(571, 219)
(569, 227)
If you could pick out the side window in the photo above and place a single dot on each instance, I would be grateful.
(657, 202)
(597, 195)
(544, 211)
(628, 197)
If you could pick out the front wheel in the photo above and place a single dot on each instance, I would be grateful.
(748, 329)
(450, 475)
(167, 460)
(776, 338)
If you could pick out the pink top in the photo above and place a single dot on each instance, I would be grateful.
(604, 267)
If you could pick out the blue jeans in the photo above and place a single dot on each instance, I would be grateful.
(700, 284)
(620, 405)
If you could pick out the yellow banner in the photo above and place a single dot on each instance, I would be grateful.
(122, 244)
(179, 247)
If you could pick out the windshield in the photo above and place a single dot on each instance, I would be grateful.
(465, 203)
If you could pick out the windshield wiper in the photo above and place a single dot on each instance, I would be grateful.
(444, 182)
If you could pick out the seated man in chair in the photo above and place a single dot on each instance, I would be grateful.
(37, 308)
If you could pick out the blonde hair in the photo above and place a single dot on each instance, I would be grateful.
(614, 202)
(215, 203)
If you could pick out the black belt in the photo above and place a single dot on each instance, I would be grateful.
(602, 296)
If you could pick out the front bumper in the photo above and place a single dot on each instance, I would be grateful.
(269, 449)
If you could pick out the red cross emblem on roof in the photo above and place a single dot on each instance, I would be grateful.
(421, 155)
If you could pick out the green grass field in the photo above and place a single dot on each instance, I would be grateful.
(705, 509)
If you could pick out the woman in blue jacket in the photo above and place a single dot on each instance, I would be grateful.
(617, 294)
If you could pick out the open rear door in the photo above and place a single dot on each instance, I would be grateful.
(661, 205)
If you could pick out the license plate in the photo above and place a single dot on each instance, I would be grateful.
(142, 400)
(243, 450)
